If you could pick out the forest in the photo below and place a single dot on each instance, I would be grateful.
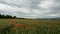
(7, 17)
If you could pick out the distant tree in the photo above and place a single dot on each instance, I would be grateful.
(3, 16)
(7, 16)
(14, 17)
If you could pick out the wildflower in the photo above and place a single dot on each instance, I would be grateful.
(30, 26)
(14, 28)
(49, 24)
(11, 23)
(23, 26)
(20, 25)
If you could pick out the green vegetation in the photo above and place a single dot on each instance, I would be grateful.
(26, 26)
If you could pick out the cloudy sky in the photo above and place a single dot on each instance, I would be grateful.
(31, 8)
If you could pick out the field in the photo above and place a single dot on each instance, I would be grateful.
(26, 26)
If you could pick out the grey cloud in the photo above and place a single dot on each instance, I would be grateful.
(9, 2)
(24, 3)
(5, 12)
(32, 5)
(55, 9)
(57, 1)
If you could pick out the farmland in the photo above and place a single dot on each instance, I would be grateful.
(26, 26)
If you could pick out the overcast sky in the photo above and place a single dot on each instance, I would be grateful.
(31, 8)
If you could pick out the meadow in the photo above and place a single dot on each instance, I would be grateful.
(29, 26)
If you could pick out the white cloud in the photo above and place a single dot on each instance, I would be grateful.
(53, 15)
(46, 4)
(57, 14)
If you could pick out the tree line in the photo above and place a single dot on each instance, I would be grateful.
(7, 17)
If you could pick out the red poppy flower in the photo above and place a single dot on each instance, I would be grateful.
(20, 25)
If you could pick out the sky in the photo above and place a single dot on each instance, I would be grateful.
(31, 8)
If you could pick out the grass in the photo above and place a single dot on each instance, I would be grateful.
(29, 26)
